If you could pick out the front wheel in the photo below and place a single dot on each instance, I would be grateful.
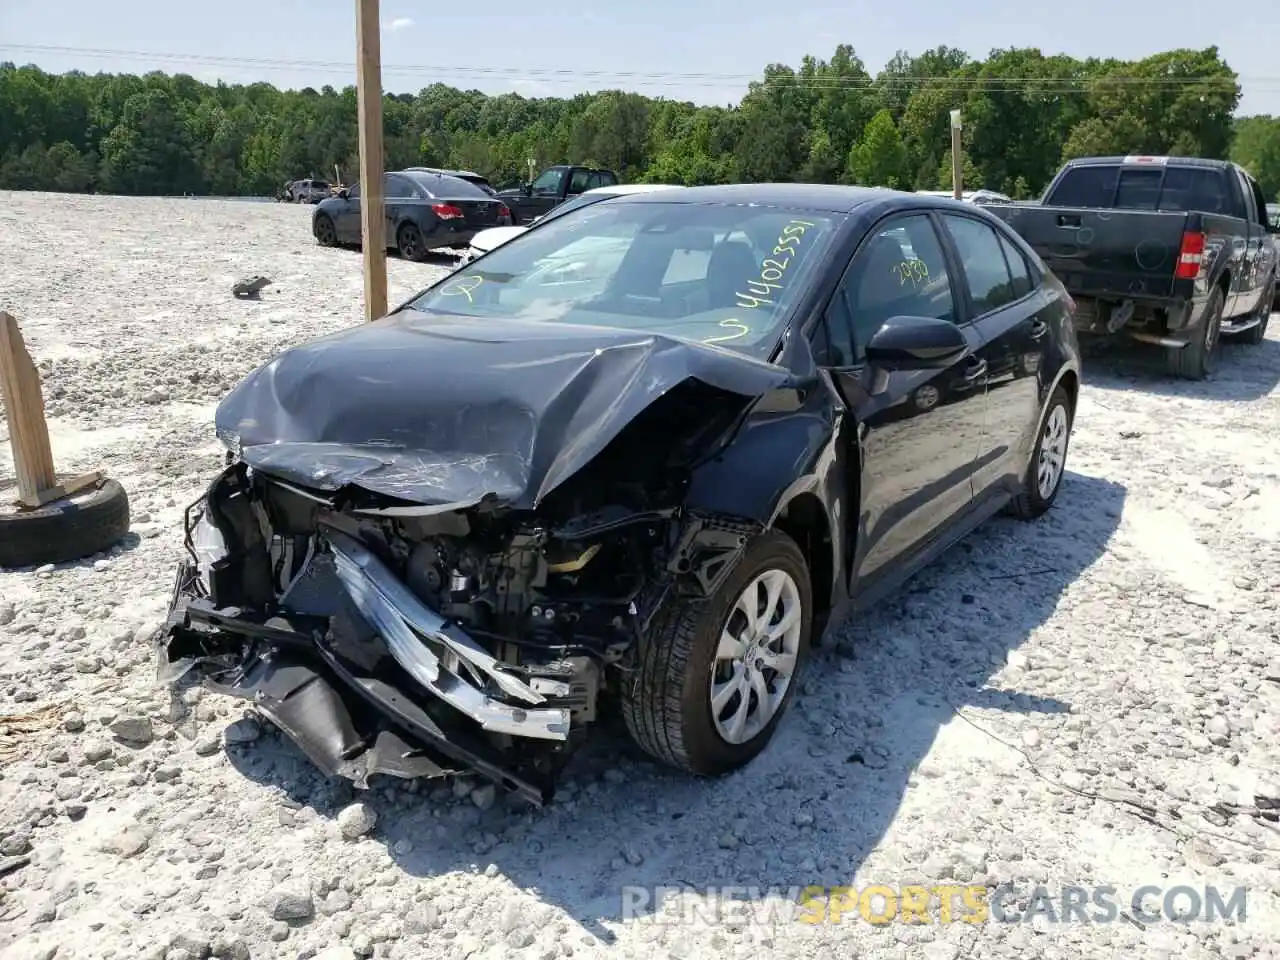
(715, 677)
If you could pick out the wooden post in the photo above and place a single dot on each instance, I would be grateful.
(957, 168)
(373, 223)
(24, 410)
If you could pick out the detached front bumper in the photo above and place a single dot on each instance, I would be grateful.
(366, 679)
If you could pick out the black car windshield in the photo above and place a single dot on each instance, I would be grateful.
(725, 274)
(441, 186)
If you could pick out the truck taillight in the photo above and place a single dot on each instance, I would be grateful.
(1191, 256)
(446, 211)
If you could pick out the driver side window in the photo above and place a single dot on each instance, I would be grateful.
(898, 271)
(549, 182)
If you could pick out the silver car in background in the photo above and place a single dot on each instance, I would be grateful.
(487, 240)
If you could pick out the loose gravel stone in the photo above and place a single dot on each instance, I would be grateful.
(356, 820)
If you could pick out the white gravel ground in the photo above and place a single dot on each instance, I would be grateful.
(988, 726)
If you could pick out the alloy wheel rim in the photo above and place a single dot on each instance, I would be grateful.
(1053, 452)
(755, 660)
(927, 397)
(409, 242)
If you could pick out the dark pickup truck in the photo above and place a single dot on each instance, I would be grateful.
(1171, 251)
(553, 187)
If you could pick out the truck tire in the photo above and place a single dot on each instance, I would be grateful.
(1198, 358)
(667, 702)
(1258, 332)
(69, 529)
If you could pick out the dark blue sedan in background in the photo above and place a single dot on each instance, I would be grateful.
(425, 212)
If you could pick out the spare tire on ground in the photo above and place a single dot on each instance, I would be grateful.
(86, 522)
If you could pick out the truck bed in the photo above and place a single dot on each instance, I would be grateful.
(1105, 254)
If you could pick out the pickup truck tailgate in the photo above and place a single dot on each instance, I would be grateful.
(1103, 252)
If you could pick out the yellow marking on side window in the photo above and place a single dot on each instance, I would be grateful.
(914, 272)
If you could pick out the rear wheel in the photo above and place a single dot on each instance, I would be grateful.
(1199, 357)
(326, 233)
(410, 243)
(716, 677)
(1048, 461)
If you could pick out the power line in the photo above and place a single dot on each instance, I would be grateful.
(1045, 85)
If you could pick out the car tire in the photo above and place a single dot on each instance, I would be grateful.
(1048, 463)
(667, 700)
(326, 233)
(72, 528)
(1258, 332)
(1199, 357)
(410, 242)
(926, 398)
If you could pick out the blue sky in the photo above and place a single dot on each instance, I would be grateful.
(538, 47)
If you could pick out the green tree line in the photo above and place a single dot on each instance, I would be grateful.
(823, 121)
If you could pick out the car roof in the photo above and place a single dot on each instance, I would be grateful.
(1139, 160)
(833, 198)
(441, 170)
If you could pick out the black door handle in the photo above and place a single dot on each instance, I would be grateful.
(1038, 329)
(976, 368)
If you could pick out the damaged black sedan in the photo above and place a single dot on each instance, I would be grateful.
(634, 460)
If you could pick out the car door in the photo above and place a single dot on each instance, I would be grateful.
(918, 429)
(545, 193)
(400, 196)
(346, 220)
(1262, 246)
(1011, 315)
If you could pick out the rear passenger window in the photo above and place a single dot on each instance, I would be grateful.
(1195, 188)
(985, 270)
(1139, 189)
(1085, 187)
(1019, 272)
(579, 181)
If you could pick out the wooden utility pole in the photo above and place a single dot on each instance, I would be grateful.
(373, 221)
(957, 168)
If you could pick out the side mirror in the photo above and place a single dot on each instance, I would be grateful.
(343, 193)
(916, 343)
(527, 189)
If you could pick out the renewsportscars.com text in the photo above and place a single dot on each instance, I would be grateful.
(881, 904)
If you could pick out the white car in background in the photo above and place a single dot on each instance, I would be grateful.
(494, 237)
(970, 196)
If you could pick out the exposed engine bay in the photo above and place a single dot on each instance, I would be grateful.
(385, 636)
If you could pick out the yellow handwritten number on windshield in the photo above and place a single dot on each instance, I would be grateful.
(462, 288)
(730, 324)
(760, 290)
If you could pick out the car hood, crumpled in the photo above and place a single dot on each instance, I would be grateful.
(447, 410)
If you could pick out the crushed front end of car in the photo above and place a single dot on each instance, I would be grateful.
(386, 634)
